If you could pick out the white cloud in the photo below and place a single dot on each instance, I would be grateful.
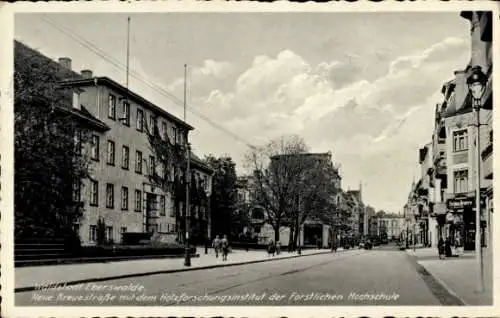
(372, 127)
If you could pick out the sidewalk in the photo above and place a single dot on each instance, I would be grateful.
(26, 278)
(458, 274)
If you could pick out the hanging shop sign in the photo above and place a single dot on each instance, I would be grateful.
(460, 203)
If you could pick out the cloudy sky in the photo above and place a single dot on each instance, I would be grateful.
(361, 85)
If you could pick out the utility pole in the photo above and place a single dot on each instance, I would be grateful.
(477, 81)
(187, 179)
(479, 247)
(414, 235)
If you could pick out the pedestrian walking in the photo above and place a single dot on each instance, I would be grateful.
(271, 248)
(458, 245)
(441, 249)
(216, 245)
(278, 248)
(225, 248)
(447, 247)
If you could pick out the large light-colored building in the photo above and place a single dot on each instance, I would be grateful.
(119, 190)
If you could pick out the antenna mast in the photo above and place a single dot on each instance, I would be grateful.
(128, 52)
(185, 90)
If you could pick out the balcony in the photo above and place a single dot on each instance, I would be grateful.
(487, 156)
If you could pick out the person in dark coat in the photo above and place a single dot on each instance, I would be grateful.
(271, 248)
(447, 247)
(441, 249)
(225, 247)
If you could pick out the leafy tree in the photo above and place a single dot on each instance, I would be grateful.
(223, 201)
(48, 162)
(169, 175)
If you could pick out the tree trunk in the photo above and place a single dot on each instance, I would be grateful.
(296, 239)
(276, 228)
(291, 246)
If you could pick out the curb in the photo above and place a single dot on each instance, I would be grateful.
(167, 271)
(452, 296)
(440, 281)
(93, 260)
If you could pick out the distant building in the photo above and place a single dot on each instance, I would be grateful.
(391, 225)
(312, 229)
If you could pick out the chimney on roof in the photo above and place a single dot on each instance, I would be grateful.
(65, 62)
(86, 73)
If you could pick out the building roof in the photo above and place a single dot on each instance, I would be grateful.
(200, 164)
(61, 73)
(318, 155)
(86, 116)
(70, 78)
(106, 81)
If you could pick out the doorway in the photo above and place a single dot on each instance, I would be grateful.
(151, 225)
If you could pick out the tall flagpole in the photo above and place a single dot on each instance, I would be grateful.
(187, 176)
(128, 53)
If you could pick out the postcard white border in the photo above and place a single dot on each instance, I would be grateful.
(6, 146)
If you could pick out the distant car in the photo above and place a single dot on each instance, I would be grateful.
(362, 245)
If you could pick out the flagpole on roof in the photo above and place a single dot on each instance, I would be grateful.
(128, 50)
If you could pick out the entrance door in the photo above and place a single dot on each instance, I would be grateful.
(151, 213)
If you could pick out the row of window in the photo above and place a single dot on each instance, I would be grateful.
(110, 197)
(125, 162)
(125, 159)
(176, 134)
(109, 232)
(111, 155)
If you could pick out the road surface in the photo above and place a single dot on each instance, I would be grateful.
(382, 276)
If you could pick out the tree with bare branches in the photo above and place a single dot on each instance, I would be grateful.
(277, 172)
(316, 193)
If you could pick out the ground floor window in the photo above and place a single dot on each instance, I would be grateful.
(109, 234)
(93, 233)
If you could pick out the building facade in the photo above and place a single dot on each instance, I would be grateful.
(119, 191)
(390, 225)
(450, 162)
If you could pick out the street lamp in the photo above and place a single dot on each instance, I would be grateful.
(477, 83)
